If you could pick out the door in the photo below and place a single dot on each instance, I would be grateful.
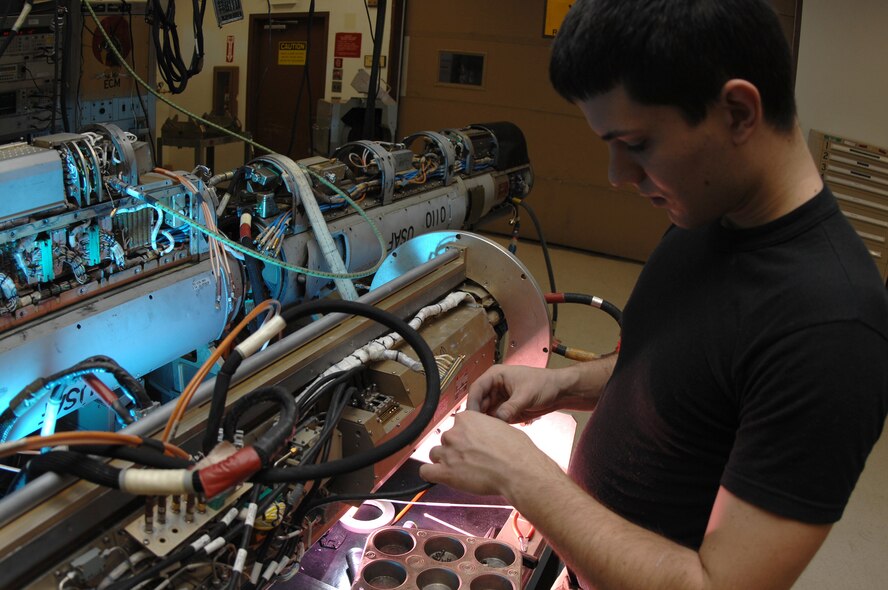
(285, 78)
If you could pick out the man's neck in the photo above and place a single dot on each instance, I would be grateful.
(787, 179)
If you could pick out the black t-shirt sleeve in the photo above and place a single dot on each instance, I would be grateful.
(811, 408)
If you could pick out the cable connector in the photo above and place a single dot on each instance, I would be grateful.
(265, 333)
(139, 413)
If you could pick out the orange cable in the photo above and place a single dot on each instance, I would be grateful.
(191, 388)
(408, 506)
(84, 438)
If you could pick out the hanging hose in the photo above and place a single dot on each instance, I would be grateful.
(550, 271)
(254, 272)
(610, 309)
(605, 306)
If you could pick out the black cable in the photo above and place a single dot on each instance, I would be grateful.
(236, 530)
(369, 22)
(189, 551)
(77, 107)
(298, 514)
(38, 388)
(271, 440)
(407, 435)
(254, 272)
(372, 496)
(322, 446)
(245, 540)
(142, 103)
(217, 403)
(138, 455)
(66, 68)
(261, 85)
(305, 79)
(545, 247)
(167, 50)
(310, 396)
(124, 378)
(373, 89)
(338, 403)
(605, 306)
(170, 560)
(77, 464)
(57, 78)
(261, 552)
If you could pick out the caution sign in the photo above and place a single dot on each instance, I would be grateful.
(556, 10)
(292, 53)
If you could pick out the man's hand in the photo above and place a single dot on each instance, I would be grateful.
(515, 394)
(483, 455)
(518, 394)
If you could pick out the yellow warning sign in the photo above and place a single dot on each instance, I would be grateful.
(292, 53)
(556, 10)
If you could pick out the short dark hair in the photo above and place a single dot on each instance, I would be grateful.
(675, 52)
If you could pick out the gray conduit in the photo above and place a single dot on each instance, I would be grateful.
(325, 241)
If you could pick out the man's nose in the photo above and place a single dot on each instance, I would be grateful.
(623, 169)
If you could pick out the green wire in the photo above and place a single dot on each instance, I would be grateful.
(220, 237)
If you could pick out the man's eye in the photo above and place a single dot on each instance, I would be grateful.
(636, 147)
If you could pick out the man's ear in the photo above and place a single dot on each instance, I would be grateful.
(742, 107)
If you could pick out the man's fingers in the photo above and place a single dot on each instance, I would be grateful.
(479, 393)
(432, 473)
(435, 454)
(484, 388)
(507, 411)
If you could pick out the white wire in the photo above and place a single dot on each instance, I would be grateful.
(376, 349)
(452, 505)
(156, 230)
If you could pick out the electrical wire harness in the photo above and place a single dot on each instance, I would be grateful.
(273, 483)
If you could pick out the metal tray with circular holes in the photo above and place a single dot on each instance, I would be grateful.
(413, 559)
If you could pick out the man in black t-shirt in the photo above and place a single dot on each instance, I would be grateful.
(752, 381)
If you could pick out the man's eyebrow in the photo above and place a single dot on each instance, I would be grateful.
(615, 133)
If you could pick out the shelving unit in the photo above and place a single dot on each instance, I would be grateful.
(857, 173)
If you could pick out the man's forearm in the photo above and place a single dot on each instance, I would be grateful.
(601, 547)
(583, 383)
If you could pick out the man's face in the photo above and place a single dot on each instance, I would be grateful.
(681, 168)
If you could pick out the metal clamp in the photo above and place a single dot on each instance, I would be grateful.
(468, 148)
(444, 144)
(384, 159)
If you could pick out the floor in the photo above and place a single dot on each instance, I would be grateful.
(855, 555)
